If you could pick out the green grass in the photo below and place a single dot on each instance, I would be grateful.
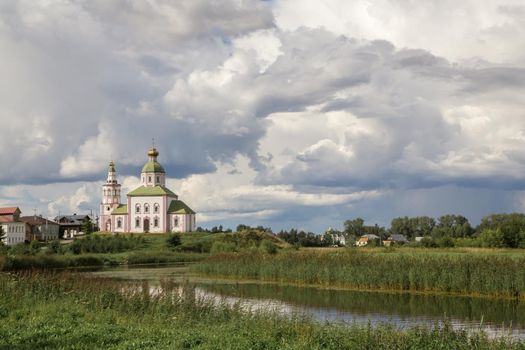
(72, 312)
(494, 275)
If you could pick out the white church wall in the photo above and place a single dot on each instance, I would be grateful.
(151, 215)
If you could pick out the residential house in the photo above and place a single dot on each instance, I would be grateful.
(14, 229)
(366, 239)
(395, 239)
(41, 229)
(71, 225)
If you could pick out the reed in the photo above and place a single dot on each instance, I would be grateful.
(460, 273)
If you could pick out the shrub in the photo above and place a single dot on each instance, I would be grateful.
(268, 247)
(173, 240)
(223, 247)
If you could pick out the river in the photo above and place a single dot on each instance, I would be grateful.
(495, 317)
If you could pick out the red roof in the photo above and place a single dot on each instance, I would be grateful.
(5, 219)
(9, 210)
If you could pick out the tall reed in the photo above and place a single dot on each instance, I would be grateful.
(467, 273)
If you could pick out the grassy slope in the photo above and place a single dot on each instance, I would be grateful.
(65, 312)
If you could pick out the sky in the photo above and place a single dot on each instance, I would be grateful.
(283, 113)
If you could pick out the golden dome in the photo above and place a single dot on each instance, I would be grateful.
(153, 152)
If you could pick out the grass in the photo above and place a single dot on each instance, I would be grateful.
(39, 311)
(493, 275)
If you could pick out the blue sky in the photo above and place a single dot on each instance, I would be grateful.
(295, 113)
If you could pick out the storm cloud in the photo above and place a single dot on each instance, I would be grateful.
(282, 113)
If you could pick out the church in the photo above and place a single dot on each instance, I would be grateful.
(151, 207)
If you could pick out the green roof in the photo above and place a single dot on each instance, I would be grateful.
(153, 167)
(121, 209)
(151, 191)
(179, 207)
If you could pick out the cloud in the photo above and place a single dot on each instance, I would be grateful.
(280, 112)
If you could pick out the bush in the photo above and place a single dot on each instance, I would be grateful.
(223, 247)
(268, 247)
(55, 247)
(111, 244)
(173, 240)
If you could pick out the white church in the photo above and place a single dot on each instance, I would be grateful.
(151, 207)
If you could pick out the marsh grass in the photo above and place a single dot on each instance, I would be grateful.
(456, 273)
(65, 311)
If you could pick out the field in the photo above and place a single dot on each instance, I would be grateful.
(65, 311)
(499, 274)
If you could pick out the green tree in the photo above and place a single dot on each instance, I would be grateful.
(87, 226)
(354, 228)
(402, 226)
(455, 226)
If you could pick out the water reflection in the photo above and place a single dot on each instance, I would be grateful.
(496, 317)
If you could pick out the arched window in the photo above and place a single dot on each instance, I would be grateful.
(119, 223)
(176, 221)
(156, 222)
(137, 222)
(158, 179)
(137, 208)
(156, 208)
(149, 179)
(146, 208)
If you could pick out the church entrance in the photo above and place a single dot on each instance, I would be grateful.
(108, 226)
(146, 225)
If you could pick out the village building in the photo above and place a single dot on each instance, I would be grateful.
(151, 207)
(70, 226)
(366, 239)
(40, 228)
(14, 229)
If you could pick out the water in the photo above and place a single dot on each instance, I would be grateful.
(496, 317)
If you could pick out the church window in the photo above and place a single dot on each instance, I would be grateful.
(176, 221)
(149, 178)
(158, 179)
(156, 222)
(137, 222)
(108, 208)
(137, 208)
(146, 208)
(156, 208)
(119, 223)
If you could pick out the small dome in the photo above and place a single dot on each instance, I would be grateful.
(153, 167)
(153, 152)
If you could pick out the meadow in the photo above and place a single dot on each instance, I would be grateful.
(68, 311)
(490, 273)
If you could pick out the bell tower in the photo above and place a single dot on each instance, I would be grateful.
(110, 198)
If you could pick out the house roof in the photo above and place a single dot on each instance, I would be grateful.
(151, 191)
(37, 220)
(71, 220)
(8, 210)
(5, 219)
(153, 166)
(398, 238)
(370, 236)
(121, 209)
(179, 207)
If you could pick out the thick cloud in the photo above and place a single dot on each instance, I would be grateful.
(280, 112)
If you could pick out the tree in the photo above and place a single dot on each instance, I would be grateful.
(87, 226)
(455, 226)
(354, 227)
(402, 226)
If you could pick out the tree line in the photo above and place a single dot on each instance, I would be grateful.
(495, 230)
